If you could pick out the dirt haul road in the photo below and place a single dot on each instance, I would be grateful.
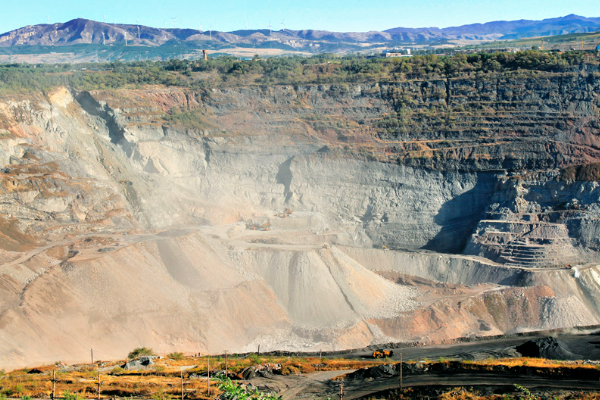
(497, 382)
(322, 385)
(585, 344)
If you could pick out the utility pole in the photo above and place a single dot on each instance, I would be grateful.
(208, 375)
(54, 384)
(258, 353)
(92, 350)
(401, 371)
(320, 358)
(341, 391)
(98, 382)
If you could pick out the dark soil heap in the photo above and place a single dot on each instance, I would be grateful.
(548, 347)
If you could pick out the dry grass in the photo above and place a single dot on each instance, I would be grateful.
(533, 362)
(163, 380)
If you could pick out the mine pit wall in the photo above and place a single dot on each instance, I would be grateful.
(259, 156)
(582, 290)
(370, 203)
(183, 180)
(467, 270)
(172, 176)
(180, 173)
(438, 267)
(394, 206)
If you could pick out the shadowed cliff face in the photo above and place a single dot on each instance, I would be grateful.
(295, 217)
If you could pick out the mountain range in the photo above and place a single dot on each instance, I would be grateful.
(84, 31)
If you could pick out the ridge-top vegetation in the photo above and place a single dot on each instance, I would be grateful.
(324, 68)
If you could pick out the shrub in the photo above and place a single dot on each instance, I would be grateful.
(232, 390)
(290, 370)
(139, 352)
(458, 394)
(175, 355)
(254, 358)
(527, 395)
(161, 395)
(71, 396)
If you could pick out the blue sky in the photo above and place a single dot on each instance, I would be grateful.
(343, 16)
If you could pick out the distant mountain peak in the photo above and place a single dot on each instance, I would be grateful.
(85, 31)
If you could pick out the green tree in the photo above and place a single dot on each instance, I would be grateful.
(139, 352)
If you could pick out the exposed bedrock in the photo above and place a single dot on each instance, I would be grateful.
(296, 217)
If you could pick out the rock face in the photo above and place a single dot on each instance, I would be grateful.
(295, 217)
(545, 222)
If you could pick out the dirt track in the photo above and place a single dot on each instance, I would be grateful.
(322, 384)
(500, 382)
(586, 345)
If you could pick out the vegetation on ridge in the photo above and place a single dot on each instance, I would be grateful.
(324, 68)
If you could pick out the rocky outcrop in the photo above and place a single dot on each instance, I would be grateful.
(139, 363)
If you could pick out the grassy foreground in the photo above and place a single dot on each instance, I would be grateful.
(162, 380)
(166, 378)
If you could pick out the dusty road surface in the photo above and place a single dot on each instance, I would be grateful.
(585, 344)
(323, 385)
(314, 385)
(497, 383)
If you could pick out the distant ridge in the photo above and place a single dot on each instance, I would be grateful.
(84, 31)
(505, 30)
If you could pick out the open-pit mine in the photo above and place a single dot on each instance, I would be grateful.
(317, 216)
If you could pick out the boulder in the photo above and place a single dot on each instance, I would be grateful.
(139, 363)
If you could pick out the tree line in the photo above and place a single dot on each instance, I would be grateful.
(323, 68)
